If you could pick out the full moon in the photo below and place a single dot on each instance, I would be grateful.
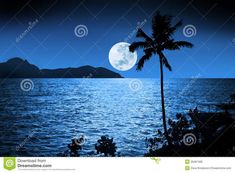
(121, 58)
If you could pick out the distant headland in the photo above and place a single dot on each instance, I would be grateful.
(19, 68)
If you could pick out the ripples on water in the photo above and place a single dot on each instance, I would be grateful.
(57, 110)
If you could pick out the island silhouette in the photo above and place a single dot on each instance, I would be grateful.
(19, 68)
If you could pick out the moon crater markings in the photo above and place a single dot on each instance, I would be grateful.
(121, 58)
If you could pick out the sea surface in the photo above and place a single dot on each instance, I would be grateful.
(43, 120)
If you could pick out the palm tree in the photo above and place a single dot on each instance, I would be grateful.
(161, 39)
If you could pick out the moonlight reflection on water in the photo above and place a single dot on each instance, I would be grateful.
(57, 110)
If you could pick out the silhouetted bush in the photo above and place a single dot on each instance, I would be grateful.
(178, 128)
(74, 147)
(205, 134)
(106, 146)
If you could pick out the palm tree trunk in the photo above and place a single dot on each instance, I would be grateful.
(163, 103)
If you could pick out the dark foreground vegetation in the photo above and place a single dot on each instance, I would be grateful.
(192, 134)
(196, 134)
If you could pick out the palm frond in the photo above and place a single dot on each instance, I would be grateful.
(165, 62)
(148, 53)
(174, 45)
(141, 34)
(161, 27)
(184, 44)
(170, 45)
(172, 29)
(178, 24)
(160, 40)
(136, 45)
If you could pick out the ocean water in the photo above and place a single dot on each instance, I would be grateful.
(42, 121)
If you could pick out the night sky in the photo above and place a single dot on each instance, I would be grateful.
(52, 42)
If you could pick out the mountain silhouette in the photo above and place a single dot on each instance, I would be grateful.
(19, 68)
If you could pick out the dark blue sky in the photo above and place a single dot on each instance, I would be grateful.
(52, 43)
